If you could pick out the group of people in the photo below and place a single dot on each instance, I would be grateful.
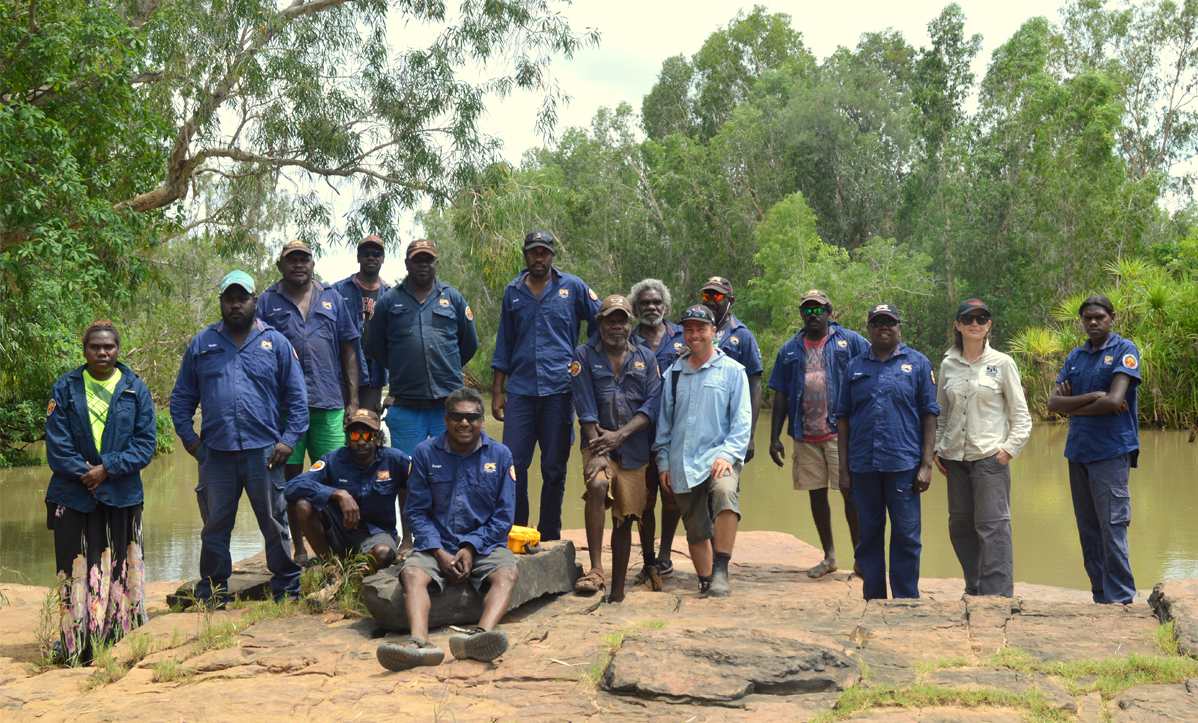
(300, 369)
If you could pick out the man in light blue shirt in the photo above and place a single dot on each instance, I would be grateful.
(703, 432)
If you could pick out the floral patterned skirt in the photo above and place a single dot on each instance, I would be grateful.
(101, 577)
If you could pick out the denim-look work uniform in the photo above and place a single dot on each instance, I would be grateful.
(735, 340)
(373, 487)
(790, 374)
(243, 392)
(424, 346)
(371, 373)
(456, 500)
(1101, 452)
(884, 402)
(671, 346)
(534, 346)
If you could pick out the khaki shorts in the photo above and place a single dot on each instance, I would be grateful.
(815, 466)
(626, 492)
(704, 503)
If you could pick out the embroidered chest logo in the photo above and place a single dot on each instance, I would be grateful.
(384, 474)
(575, 367)
(469, 314)
(678, 348)
(906, 367)
(592, 294)
(318, 466)
(638, 365)
(267, 345)
(992, 372)
(1130, 362)
(489, 467)
(443, 302)
(734, 340)
(1108, 359)
(564, 293)
(327, 304)
(842, 343)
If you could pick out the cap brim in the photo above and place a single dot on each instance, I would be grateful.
(364, 423)
(892, 315)
(371, 243)
(231, 284)
(416, 252)
(538, 245)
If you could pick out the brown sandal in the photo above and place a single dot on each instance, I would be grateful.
(591, 582)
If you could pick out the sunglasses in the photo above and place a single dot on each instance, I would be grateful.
(471, 417)
(817, 311)
(371, 254)
(887, 321)
(712, 296)
(362, 436)
(978, 319)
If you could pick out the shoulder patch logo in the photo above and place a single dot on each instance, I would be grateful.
(1129, 361)
(384, 474)
(267, 345)
(443, 302)
(591, 293)
(512, 472)
(50, 409)
(933, 375)
(575, 368)
(489, 467)
(327, 304)
(843, 344)
(469, 314)
(564, 293)
(319, 465)
(294, 354)
(906, 367)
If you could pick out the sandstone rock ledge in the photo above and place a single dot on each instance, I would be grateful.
(780, 649)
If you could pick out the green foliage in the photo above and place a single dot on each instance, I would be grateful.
(164, 427)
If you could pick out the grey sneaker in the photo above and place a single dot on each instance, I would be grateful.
(412, 654)
(484, 645)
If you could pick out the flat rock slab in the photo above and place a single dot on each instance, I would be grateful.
(1157, 704)
(721, 666)
(1003, 679)
(553, 570)
(1176, 601)
(250, 581)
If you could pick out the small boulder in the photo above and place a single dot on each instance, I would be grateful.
(1176, 601)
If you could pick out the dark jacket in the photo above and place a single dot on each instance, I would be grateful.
(129, 438)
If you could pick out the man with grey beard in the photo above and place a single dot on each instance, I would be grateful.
(616, 387)
(652, 305)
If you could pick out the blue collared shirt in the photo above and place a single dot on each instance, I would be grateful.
(455, 500)
(128, 442)
(374, 487)
(424, 345)
(790, 371)
(599, 399)
(735, 339)
(884, 402)
(711, 417)
(241, 390)
(370, 372)
(1109, 435)
(536, 337)
(317, 340)
(669, 348)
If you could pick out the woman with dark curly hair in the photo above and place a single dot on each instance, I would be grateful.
(100, 434)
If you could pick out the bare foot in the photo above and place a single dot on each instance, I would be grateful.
(300, 554)
(822, 569)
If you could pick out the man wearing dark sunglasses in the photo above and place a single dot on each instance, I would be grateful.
(346, 501)
(806, 376)
(361, 291)
(886, 433)
(734, 339)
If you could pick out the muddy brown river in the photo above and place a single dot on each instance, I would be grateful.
(1163, 535)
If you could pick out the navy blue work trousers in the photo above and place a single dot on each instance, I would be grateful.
(875, 494)
(1102, 506)
(223, 477)
(549, 422)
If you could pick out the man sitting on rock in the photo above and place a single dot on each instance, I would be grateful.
(461, 502)
(362, 479)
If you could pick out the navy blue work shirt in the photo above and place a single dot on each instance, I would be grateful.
(600, 399)
(456, 500)
(536, 337)
(739, 344)
(370, 372)
(424, 345)
(1109, 435)
(670, 347)
(884, 402)
(317, 340)
(790, 371)
(242, 390)
(374, 487)
(130, 434)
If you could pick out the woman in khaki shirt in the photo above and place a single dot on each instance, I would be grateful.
(984, 424)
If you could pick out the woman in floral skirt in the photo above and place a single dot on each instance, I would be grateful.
(100, 434)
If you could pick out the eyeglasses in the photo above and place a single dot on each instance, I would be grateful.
(978, 319)
(880, 321)
(371, 254)
(817, 311)
(362, 436)
(711, 296)
(471, 417)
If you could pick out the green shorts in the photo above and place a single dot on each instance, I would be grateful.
(326, 432)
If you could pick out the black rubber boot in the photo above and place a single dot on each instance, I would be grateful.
(704, 586)
(719, 575)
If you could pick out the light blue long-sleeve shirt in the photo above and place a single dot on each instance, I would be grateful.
(709, 417)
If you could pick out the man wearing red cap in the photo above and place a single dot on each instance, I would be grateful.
(361, 292)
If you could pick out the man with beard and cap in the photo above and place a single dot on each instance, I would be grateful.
(313, 317)
(361, 292)
(652, 305)
(616, 388)
(539, 321)
(250, 384)
(886, 435)
(734, 339)
(702, 434)
(346, 501)
(806, 376)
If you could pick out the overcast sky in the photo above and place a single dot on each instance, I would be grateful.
(638, 35)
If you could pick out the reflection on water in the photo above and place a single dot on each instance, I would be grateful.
(1163, 537)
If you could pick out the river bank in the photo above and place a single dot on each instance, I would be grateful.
(656, 656)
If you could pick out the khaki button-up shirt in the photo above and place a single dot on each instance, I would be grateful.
(982, 407)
